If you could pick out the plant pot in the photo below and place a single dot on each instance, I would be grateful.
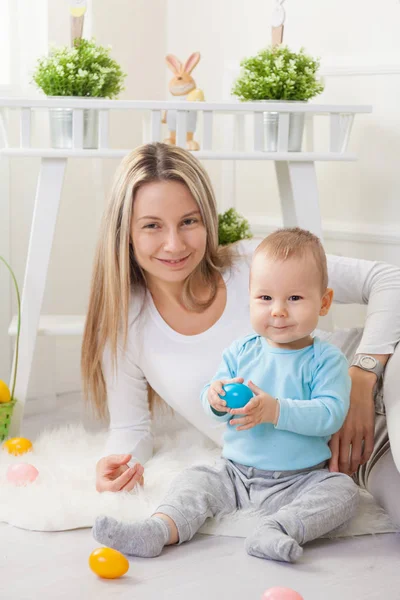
(271, 125)
(61, 127)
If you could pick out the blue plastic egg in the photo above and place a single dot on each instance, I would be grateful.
(237, 395)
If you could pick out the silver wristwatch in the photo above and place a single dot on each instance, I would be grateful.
(368, 363)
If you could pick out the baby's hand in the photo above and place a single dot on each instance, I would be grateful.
(262, 408)
(215, 389)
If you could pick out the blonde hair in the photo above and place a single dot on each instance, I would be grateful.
(295, 242)
(116, 274)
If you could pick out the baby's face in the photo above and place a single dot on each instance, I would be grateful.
(285, 299)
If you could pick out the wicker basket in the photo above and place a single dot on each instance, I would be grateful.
(5, 418)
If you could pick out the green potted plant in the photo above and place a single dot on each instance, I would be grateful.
(278, 74)
(232, 227)
(84, 70)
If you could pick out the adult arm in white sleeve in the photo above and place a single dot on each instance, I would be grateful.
(377, 284)
(130, 418)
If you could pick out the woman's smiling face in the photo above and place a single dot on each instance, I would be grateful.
(168, 233)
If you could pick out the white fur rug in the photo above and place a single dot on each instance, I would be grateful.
(64, 495)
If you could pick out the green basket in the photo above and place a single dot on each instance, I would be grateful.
(6, 410)
(5, 418)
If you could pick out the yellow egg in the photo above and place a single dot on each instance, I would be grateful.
(17, 445)
(5, 395)
(108, 563)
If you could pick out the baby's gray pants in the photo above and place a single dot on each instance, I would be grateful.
(306, 504)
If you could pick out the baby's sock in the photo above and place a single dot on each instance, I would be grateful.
(269, 540)
(145, 538)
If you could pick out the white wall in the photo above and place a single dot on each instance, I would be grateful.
(229, 30)
(126, 27)
(359, 198)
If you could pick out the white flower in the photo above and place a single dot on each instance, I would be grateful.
(59, 70)
(82, 73)
(70, 65)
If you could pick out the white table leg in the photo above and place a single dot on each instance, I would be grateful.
(45, 213)
(234, 138)
(298, 190)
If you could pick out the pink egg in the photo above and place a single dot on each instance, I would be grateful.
(281, 593)
(21, 473)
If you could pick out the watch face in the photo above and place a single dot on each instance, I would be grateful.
(368, 362)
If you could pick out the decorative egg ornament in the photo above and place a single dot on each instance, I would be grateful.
(281, 593)
(5, 394)
(17, 446)
(237, 395)
(108, 563)
(21, 473)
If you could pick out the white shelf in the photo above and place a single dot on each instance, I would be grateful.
(201, 154)
(54, 325)
(234, 145)
(221, 107)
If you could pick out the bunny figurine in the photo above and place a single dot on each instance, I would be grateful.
(183, 87)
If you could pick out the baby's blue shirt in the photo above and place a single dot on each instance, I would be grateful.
(313, 389)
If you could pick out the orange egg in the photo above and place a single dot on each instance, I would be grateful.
(5, 394)
(108, 563)
(17, 445)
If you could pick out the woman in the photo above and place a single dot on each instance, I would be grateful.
(166, 300)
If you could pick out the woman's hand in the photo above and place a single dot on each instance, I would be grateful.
(353, 444)
(216, 389)
(114, 475)
(262, 408)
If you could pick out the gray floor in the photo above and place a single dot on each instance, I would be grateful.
(54, 565)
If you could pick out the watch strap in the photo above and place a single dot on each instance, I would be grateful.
(362, 360)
